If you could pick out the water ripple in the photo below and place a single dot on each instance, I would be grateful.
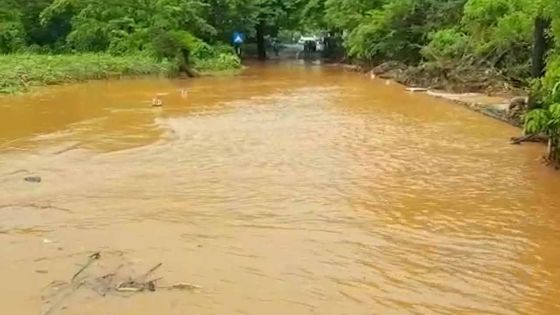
(307, 192)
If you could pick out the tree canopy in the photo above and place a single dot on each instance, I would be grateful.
(493, 33)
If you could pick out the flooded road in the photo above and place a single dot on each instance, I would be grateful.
(286, 190)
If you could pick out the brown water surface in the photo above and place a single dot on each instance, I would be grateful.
(287, 190)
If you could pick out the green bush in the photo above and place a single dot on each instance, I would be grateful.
(220, 62)
(173, 44)
(220, 57)
(547, 89)
(500, 30)
(546, 121)
(446, 44)
(12, 32)
(203, 50)
(398, 30)
(386, 34)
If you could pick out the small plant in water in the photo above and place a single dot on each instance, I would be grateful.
(547, 121)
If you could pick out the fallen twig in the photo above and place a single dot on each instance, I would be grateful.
(535, 137)
(181, 286)
(33, 205)
(93, 257)
(72, 147)
(145, 275)
(59, 302)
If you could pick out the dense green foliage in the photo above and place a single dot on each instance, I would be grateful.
(482, 33)
(491, 33)
(188, 33)
(124, 26)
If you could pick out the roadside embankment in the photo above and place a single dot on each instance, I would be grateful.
(483, 91)
(498, 107)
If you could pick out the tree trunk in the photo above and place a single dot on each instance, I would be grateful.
(553, 151)
(184, 64)
(540, 47)
(261, 45)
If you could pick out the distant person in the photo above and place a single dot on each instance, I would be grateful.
(309, 47)
(275, 46)
(237, 40)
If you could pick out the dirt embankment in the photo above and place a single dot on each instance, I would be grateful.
(452, 77)
(483, 90)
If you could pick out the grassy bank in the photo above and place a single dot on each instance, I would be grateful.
(21, 72)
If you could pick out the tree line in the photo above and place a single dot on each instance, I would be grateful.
(131, 26)
(499, 33)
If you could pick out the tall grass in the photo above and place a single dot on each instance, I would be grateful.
(220, 63)
(20, 72)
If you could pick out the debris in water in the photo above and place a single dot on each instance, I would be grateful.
(416, 89)
(33, 179)
(113, 282)
(157, 101)
(154, 268)
(182, 286)
(134, 286)
(529, 138)
(92, 258)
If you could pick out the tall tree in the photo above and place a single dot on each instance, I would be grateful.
(270, 16)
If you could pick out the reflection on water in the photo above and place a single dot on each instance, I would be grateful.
(287, 190)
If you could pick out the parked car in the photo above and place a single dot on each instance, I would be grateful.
(318, 42)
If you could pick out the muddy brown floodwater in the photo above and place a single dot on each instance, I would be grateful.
(289, 189)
